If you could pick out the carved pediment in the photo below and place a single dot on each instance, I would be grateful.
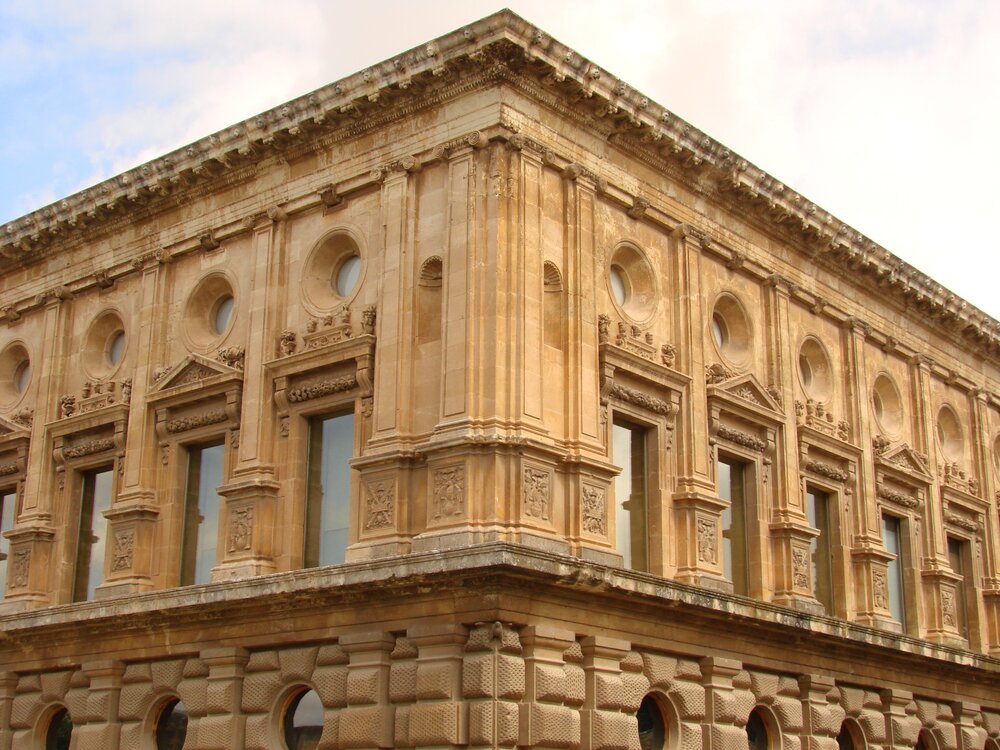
(10, 429)
(748, 388)
(193, 369)
(904, 458)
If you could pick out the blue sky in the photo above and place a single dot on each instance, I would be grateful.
(882, 112)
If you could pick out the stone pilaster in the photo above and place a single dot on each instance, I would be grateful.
(545, 719)
(367, 720)
(493, 682)
(102, 729)
(821, 716)
(603, 725)
(902, 727)
(437, 718)
(223, 725)
(967, 735)
(723, 728)
(8, 689)
(986, 589)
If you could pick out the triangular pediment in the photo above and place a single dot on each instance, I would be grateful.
(194, 368)
(748, 388)
(904, 457)
(8, 428)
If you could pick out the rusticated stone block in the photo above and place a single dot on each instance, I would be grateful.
(477, 675)
(544, 725)
(258, 731)
(435, 724)
(740, 704)
(510, 676)
(260, 690)
(608, 691)
(634, 688)
(216, 732)
(690, 736)
(167, 674)
(612, 730)
(331, 685)
(54, 685)
(575, 684)
(366, 726)
(143, 671)
(728, 736)
(789, 713)
(94, 736)
(76, 702)
(297, 663)
(194, 693)
(493, 723)
(403, 681)
(550, 683)
(221, 696)
(689, 699)
(362, 685)
(263, 661)
(434, 681)
(660, 670)
(401, 726)
(133, 701)
(330, 655)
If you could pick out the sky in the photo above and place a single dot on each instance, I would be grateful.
(885, 113)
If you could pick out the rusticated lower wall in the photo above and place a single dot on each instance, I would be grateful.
(477, 685)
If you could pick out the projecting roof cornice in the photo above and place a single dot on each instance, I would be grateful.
(501, 43)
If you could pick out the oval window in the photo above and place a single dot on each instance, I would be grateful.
(223, 314)
(59, 732)
(757, 738)
(116, 347)
(22, 376)
(347, 275)
(652, 727)
(171, 726)
(302, 724)
(618, 285)
(719, 330)
(887, 406)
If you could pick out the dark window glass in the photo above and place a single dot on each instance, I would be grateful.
(171, 727)
(628, 452)
(756, 732)
(303, 721)
(95, 499)
(652, 727)
(331, 444)
(956, 556)
(8, 500)
(818, 510)
(60, 730)
(892, 540)
(201, 514)
(731, 478)
(845, 740)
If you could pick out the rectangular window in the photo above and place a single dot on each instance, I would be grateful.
(8, 500)
(628, 452)
(199, 552)
(328, 503)
(735, 560)
(818, 512)
(95, 499)
(956, 556)
(892, 539)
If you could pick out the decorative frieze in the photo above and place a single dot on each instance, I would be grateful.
(20, 567)
(800, 567)
(321, 388)
(241, 528)
(89, 447)
(379, 504)
(183, 424)
(638, 398)
(824, 469)
(595, 510)
(740, 437)
(894, 496)
(449, 492)
(536, 493)
(123, 550)
(707, 541)
(880, 590)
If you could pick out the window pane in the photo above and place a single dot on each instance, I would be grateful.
(817, 510)
(956, 556)
(628, 453)
(734, 535)
(303, 722)
(891, 540)
(8, 500)
(331, 444)
(171, 727)
(201, 522)
(60, 731)
(94, 500)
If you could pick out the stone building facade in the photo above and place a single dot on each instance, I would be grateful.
(483, 402)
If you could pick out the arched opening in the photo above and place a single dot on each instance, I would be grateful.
(171, 725)
(60, 731)
(302, 723)
(758, 738)
(850, 737)
(653, 725)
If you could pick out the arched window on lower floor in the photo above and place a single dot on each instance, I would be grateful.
(758, 737)
(171, 725)
(850, 737)
(653, 725)
(59, 731)
(302, 721)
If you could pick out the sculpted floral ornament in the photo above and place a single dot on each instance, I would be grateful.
(379, 506)
(595, 511)
(123, 551)
(241, 529)
(707, 543)
(536, 493)
(449, 491)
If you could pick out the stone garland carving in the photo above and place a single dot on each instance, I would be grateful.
(632, 396)
(379, 506)
(449, 491)
(123, 551)
(595, 511)
(20, 566)
(183, 424)
(89, 447)
(899, 498)
(233, 356)
(948, 608)
(536, 493)
(814, 414)
(961, 521)
(240, 529)
(717, 373)
(745, 439)
(800, 568)
(707, 544)
(880, 590)
(827, 470)
(287, 343)
(322, 388)
(8, 469)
